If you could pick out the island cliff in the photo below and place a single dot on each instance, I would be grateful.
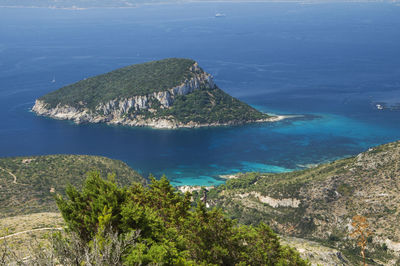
(169, 93)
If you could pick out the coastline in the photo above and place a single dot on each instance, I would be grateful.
(79, 8)
(164, 123)
(85, 117)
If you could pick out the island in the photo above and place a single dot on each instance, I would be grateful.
(169, 93)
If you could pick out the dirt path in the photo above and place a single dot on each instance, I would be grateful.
(15, 178)
(28, 231)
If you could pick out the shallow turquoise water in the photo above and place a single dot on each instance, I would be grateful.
(327, 63)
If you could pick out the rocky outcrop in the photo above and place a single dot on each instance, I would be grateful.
(316, 253)
(274, 203)
(118, 107)
(116, 117)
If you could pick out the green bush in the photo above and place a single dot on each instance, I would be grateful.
(171, 230)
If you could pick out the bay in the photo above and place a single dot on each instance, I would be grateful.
(327, 63)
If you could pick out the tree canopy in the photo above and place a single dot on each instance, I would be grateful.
(170, 229)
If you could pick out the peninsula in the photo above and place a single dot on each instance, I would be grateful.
(169, 93)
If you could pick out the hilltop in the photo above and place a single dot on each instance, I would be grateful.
(319, 203)
(28, 184)
(168, 93)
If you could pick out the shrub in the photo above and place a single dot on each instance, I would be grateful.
(167, 229)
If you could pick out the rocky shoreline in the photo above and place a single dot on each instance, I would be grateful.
(85, 116)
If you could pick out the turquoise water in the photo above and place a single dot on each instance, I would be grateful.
(329, 64)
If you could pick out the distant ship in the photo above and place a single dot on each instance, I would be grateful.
(379, 107)
(219, 15)
(54, 80)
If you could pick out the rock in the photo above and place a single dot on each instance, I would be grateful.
(316, 253)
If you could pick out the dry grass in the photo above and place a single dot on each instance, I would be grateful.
(22, 243)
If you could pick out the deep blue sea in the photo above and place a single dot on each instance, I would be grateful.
(329, 63)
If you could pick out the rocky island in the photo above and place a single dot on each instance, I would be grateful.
(169, 93)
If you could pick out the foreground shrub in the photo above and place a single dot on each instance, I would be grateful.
(157, 225)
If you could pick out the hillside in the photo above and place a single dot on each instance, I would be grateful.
(24, 230)
(134, 80)
(24, 233)
(142, 225)
(28, 184)
(319, 203)
(169, 93)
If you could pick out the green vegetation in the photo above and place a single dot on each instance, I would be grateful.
(329, 195)
(209, 106)
(28, 184)
(212, 106)
(167, 227)
(140, 79)
(164, 226)
(282, 185)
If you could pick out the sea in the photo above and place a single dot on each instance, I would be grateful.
(328, 64)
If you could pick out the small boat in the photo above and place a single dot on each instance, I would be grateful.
(219, 15)
(379, 106)
(54, 80)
